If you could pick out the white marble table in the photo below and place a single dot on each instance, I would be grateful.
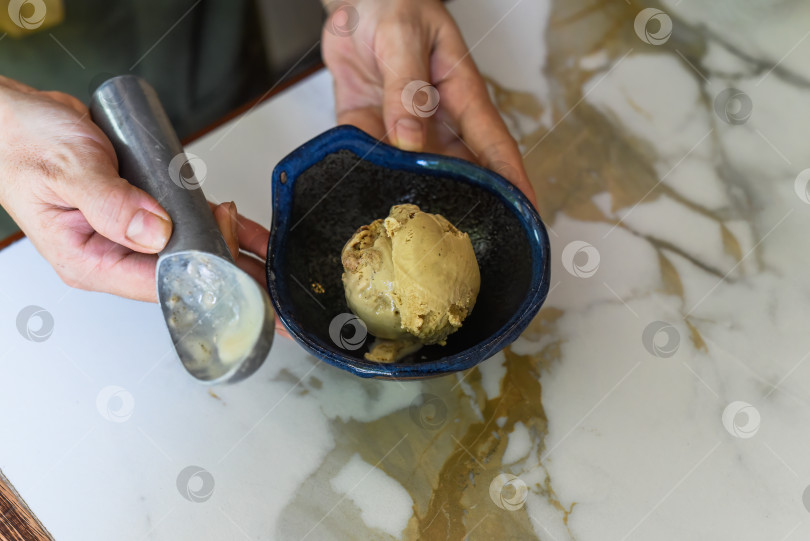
(662, 393)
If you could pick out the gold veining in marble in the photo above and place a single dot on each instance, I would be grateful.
(584, 153)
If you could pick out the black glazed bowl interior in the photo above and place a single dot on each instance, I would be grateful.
(343, 179)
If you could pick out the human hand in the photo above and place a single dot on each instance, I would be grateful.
(252, 239)
(376, 48)
(59, 181)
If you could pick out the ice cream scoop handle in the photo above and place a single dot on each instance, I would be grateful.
(150, 156)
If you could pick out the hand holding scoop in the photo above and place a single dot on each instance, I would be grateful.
(220, 320)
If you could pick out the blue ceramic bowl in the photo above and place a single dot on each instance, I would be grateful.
(343, 179)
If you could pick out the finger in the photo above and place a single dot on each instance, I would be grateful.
(254, 268)
(66, 99)
(97, 263)
(444, 138)
(484, 132)
(96, 135)
(16, 85)
(225, 216)
(253, 238)
(408, 97)
(116, 209)
(280, 329)
(132, 276)
(368, 119)
(357, 96)
(466, 100)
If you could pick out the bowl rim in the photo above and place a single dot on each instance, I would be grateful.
(346, 137)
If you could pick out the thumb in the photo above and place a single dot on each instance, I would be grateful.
(408, 97)
(119, 211)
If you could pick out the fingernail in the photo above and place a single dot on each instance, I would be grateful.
(408, 133)
(234, 218)
(149, 230)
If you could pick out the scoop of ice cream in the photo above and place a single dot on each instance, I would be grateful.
(412, 274)
(389, 351)
(368, 280)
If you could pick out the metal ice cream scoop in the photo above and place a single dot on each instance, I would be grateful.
(220, 320)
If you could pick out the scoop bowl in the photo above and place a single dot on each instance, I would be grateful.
(344, 178)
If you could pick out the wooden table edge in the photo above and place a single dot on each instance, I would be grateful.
(17, 521)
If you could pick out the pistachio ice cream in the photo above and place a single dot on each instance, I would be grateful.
(412, 278)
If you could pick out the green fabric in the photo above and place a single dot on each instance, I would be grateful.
(200, 55)
(7, 225)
